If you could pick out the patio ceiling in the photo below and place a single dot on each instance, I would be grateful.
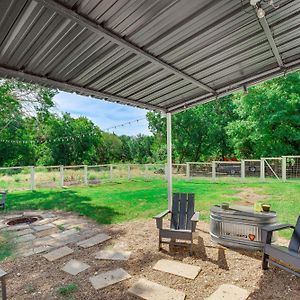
(164, 55)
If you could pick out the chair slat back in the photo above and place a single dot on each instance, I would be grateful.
(295, 240)
(183, 208)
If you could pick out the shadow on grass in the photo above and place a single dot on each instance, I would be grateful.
(66, 200)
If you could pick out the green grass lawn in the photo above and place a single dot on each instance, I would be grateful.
(132, 200)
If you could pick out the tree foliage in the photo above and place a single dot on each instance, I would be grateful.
(263, 122)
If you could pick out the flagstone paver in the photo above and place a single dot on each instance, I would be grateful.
(63, 234)
(58, 253)
(149, 290)
(109, 278)
(95, 240)
(74, 267)
(47, 232)
(229, 292)
(43, 227)
(24, 238)
(23, 232)
(113, 254)
(177, 268)
(32, 251)
(17, 227)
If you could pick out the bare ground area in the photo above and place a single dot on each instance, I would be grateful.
(249, 196)
(36, 278)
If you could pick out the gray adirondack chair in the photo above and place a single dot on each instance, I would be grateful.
(288, 255)
(183, 220)
(3, 199)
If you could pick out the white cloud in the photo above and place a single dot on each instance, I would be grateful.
(103, 113)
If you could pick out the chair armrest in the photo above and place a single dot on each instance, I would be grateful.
(195, 217)
(267, 231)
(275, 227)
(161, 215)
(159, 219)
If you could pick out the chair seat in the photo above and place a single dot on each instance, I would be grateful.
(180, 234)
(284, 254)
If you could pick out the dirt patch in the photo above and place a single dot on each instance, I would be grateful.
(36, 278)
(249, 196)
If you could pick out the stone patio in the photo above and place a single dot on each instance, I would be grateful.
(114, 262)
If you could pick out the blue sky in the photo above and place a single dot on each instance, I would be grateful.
(103, 113)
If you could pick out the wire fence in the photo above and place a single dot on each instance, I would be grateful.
(285, 168)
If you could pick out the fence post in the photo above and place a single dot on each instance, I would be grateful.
(283, 168)
(61, 170)
(129, 172)
(213, 170)
(262, 169)
(242, 170)
(85, 174)
(32, 178)
(166, 171)
(188, 172)
(111, 172)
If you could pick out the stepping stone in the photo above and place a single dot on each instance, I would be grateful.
(36, 250)
(148, 290)
(109, 278)
(58, 253)
(177, 268)
(48, 215)
(74, 267)
(25, 238)
(46, 232)
(95, 240)
(229, 292)
(113, 254)
(43, 227)
(64, 234)
(17, 227)
(23, 232)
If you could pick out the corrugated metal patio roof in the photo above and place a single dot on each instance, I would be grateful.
(163, 55)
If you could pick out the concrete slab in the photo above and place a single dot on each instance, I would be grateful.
(109, 278)
(63, 234)
(43, 227)
(36, 250)
(48, 215)
(58, 253)
(74, 267)
(8, 217)
(113, 254)
(148, 290)
(46, 232)
(24, 238)
(229, 292)
(17, 227)
(23, 232)
(177, 268)
(95, 240)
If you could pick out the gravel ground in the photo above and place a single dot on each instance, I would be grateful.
(36, 278)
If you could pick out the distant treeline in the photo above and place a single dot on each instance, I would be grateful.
(265, 121)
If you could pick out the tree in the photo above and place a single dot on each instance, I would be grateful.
(198, 133)
(268, 121)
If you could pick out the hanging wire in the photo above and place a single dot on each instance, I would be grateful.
(72, 138)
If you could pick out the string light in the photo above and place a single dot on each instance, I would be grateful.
(70, 138)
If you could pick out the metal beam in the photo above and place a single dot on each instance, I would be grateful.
(255, 79)
(265, 26)
(69, 87)
(169, 159)
(105, 33)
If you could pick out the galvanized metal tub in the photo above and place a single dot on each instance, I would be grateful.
(239, 226)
